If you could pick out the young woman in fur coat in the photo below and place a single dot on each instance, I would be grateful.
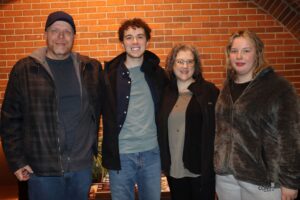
(257, 144)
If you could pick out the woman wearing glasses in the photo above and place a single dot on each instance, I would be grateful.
(186, 127)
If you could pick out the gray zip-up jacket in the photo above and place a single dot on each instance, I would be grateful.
(29, 117)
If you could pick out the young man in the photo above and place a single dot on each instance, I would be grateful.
(133, 87)
(50, 116)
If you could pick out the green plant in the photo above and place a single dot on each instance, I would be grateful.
(98, 171)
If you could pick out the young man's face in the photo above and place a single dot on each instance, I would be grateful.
(135, 42)
(60, 38)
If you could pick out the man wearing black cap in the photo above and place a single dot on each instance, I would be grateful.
(50, 116)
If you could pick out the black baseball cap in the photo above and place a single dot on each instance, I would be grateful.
(60, 16)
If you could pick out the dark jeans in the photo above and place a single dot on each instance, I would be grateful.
(188, 188)
(71, 186)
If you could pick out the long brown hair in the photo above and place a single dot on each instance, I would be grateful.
(260, 60)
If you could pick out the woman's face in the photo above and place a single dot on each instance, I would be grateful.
(242, 57)
(184, 66)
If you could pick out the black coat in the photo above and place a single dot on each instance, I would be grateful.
(199, 137)
(113, 101)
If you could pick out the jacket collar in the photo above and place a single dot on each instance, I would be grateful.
(266, 71)
(149, 64)
(194, 87)
(40, 56)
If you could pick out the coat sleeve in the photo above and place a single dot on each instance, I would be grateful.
(11, 123)
(289, 138)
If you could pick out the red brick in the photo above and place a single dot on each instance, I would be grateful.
(183, 6)
(210, 12)
(79, 4)
(237, 18)
(166, 20)
(219, 5)
(115, 2)
(238, 5)
(128, 8)
(24, 44)
(256, 17)
(247, 11)
(292, 67)
(247, 24)
(206, 24)
(40, 6)
(92, 3)
(274, 6)
(292, 54)
(266, 23)
(219, 18)
(144, 7)
(212, 62)
(279, 9)
(229, 12)
(162, 7)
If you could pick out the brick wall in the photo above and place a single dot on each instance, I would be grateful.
(204, 23)
(285, 11)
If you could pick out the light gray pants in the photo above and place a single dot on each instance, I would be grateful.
(229, 188)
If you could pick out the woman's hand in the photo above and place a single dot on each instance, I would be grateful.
(288, 194)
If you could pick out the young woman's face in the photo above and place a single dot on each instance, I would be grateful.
(184, 66)
(242, 57)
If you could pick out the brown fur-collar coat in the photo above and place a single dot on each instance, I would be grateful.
(258, 136)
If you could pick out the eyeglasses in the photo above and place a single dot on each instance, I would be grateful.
(188, 62)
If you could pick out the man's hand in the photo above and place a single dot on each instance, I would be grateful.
(288, 194)
(23, 174)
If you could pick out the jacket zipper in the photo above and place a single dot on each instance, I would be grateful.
(57, 139)
(57, 118)
(231, 121)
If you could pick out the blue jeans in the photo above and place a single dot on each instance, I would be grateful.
(141, 168)
(70, 186)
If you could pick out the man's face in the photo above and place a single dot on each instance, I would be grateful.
(60, 38)
(135, 42)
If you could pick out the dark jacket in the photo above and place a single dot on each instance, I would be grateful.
(29, 116)
(199, 137)
(258, 136)
(115, 103)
